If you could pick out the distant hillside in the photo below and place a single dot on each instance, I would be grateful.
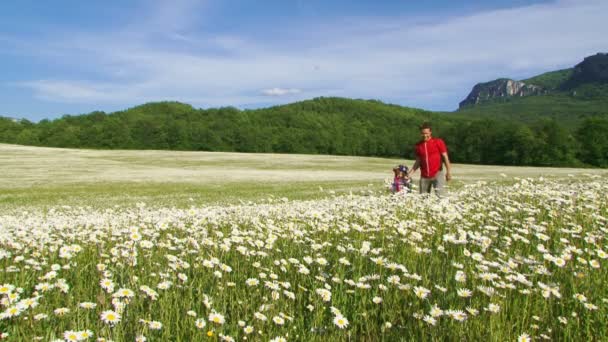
(336, 126)
(567, 95)
(322, 125)
(562, 120)
(550, 80)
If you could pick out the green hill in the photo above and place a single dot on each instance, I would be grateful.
(561, 121)
(569, 110)
(551, 80)
(568, 96)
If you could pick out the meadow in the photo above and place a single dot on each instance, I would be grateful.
(195, 246)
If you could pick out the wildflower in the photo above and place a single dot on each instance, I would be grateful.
(436, 311)
(248, 329)
(110, 317)
(84, 335)
(278, 320)
(344, 261)
(429, 320)
(580, 297)
(464, 292)
(252, 282)
(524, 338)
(394, 279)
(124, 293)
(6, 288)
(472, 311)
(216, 318)
(107, 284)
(590, 306)
(155, 325)
(165, 285)
(494, 308)
(70, 335)
(87, 305)
(458, 315)
(200, 323)
(325, 294)
(260, 316)
(340, 321)
(41, 316)
(421, 292)
(377, 300)
(559, 262)
(13, 311)
(61, 311)
(226, 338)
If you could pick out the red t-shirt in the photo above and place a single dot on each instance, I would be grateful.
(429, 153)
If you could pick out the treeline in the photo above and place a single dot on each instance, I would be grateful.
(320, 126)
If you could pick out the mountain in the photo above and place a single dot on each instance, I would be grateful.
(502, 87)
(567, 95)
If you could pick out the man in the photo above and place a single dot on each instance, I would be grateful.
(431, 154)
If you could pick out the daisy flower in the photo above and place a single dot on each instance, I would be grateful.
(200, 323)
(216, 318)
(524, 338)
(110, 317)
(340, 321)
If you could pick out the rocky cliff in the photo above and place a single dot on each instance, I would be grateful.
(589, 78)
(502, 87)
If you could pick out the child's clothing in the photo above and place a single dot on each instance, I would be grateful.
(397, 184)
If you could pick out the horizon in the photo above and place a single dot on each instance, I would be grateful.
(109, 56)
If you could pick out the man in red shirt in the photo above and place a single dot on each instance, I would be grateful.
(431, 153)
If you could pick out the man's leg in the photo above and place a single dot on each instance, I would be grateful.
(425, 185)
(438, 183)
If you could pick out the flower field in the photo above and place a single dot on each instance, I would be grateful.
(520, 261)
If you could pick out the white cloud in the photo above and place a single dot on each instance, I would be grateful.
(280, 91)
(428, 64)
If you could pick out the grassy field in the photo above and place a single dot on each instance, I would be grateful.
(49, 177)
(191, 246)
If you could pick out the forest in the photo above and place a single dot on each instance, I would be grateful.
(337, 126)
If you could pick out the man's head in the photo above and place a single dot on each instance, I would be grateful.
(425, 131)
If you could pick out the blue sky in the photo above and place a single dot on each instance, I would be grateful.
(74, 57)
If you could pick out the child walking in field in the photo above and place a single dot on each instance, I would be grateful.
(396, 180)
(401, 182)
(406, 182)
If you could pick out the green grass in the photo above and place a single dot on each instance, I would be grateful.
(179, 195)
(502, 225)
(77, 215)
(47, 177)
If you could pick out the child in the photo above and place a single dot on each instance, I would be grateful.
(406, 182)
(396, 180)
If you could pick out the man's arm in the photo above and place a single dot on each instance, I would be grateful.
(415, 167)
(448, 167)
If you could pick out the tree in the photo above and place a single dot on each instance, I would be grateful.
(27, 137)
(593, 138)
